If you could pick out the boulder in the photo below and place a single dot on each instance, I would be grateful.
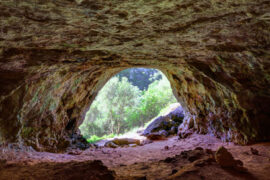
(225, 159)
(125, 141)
(165, 125)
(177, 114)
(121, 142)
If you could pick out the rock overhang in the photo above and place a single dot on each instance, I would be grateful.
(56, 56)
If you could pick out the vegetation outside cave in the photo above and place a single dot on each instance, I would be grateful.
(128, 101)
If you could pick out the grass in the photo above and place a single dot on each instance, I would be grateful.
(93, 139)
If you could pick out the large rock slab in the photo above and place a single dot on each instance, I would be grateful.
(122, 142)
(94, 170)
(167, 123)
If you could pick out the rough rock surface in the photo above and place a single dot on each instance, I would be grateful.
(157, 160)
(225, 159)
(56, 55)
(121, 142)
(167, 124)
(86, 170)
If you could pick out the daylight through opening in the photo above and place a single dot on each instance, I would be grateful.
(131, 104)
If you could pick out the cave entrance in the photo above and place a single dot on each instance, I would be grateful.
(128, 103)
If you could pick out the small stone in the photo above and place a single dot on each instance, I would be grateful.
(122, 14)
(199, 148)
(208, 151)
(185, 134)
(168, 160)
(75, 152)
(174, 171)
(194, 155)
(110, 145)
(166, 147)
(254, 151)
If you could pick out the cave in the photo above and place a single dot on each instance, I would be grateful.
(55, 56)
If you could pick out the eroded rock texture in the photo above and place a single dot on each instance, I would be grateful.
(56, 55)
(54, 170)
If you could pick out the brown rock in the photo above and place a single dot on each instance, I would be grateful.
(225, 159)
(156, 136)
(254, 151)
(122, 142)
(55, 170)
(185, 134)
(125, 141)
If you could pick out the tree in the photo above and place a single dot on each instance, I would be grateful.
(121, 106)
(111, 105)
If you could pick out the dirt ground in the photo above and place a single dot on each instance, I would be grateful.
(157, 160)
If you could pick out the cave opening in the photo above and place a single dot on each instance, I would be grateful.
(136, 103)
(55, 56)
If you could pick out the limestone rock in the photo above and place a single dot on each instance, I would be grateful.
(125, 141)
(122, 142)
(166, 124)
(52, 171)
(198, 158)
(254, 151)
(225, 159)
(55, 57)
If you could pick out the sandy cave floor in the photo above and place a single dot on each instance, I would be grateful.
(149, 161)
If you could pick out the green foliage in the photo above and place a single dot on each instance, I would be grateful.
(96, 138)
(121, 106)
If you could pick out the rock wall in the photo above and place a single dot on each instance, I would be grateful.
(56, 55)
